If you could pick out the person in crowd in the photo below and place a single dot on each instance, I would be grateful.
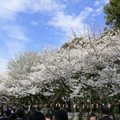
(36, 115)
(60, 115)
(92, 117)
(111, 113)
(1, 112)
(20, 114)
(48, 116)
(13, 115)
(45, 109)
(7, 115)
(1, 115)
(105, 111)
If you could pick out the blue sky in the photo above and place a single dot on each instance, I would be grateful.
(34, 25)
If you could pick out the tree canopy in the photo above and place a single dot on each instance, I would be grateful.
(112, 11)
(92, 65)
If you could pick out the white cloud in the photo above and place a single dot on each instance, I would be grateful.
(34, 23)
(67, 22)
(106, 1)
(85, 13)
(98, 11)
(17, 38)
(97, 3)
(14, 47)
(10, 8)
(15, 32)
(100, 3)
(45, 5)
(99, 7)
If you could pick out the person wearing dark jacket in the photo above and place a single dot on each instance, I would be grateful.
(20, 114)
(60, 115)
(105, 111)
(36, 115)
(7, 115)
(13, 115)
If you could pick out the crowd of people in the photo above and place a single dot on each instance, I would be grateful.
(35, 113)
(105, 115)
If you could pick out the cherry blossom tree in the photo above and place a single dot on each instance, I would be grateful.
(4, 95)
(18, 71)
(87, 65)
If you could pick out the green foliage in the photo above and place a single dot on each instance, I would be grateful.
(66, 45)
(72, 45)
(77, 40)
(112, 11)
